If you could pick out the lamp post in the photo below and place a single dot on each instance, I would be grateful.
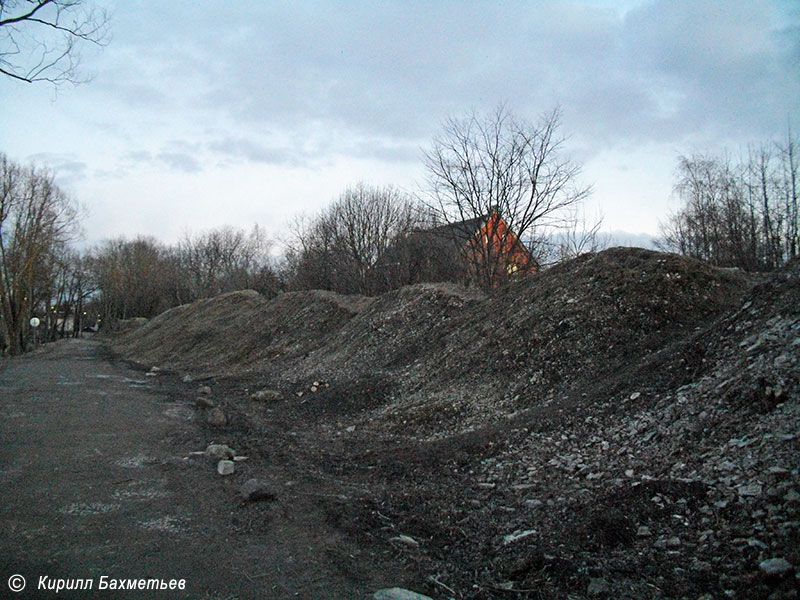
(34, 322)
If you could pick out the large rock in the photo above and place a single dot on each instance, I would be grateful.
(398, 594)
(774, 567)
(254, 490)
(216, 418)
(225, 467)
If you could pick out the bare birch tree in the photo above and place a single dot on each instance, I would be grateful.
(737, 214)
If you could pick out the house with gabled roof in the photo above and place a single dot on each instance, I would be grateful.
(482, 250)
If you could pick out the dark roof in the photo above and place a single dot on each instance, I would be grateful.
(463, 230)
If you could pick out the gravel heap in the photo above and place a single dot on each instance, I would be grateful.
(624, 425)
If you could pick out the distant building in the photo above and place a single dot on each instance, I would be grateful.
(474, 251)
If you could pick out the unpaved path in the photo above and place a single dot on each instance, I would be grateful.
(96, 480)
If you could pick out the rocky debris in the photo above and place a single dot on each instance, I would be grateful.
(254, 490)
(203, 399)
(517, 535)
(204, 402)
(597, 587)
(398, 594)
(266, 395)
(405, 540)
(233, 340)
(225, 467)
(775, 567)
(219, 451)
(640, 410)
(216, 417)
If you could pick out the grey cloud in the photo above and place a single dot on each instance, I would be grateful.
(721, 63)
(65, 167)
(251, 150)
(180, 161)
(138, 156)
(662, 70)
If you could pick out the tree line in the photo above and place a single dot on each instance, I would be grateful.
(738, 212)
(42, 275)
(372, 239)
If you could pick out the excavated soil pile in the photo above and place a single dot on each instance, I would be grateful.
(624, 425)
(238, 331)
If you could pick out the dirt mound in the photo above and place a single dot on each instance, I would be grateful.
(447, 351)
(623, 425)
(235, 332)
(465, 360)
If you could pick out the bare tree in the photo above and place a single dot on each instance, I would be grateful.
(135, 278)
(737, 214)
(40, 39)
(500, 164)
(789, 191)
(340, 249)
(36, 220)
(579, 237)
(226, 259)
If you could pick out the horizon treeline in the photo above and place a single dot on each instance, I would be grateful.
(733, 213)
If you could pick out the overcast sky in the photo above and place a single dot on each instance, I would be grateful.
(206, 113)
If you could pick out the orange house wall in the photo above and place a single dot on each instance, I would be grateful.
(506, 242)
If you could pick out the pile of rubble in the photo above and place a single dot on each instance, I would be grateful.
(625, 425)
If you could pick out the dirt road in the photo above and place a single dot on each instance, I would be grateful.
(97, 487)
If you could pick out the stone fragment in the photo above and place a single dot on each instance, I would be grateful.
(751, 490)
(398, 594)
(517, 535)
(266, 395)
(773, 567)
(782, 360)
(597, 587)
(204, 390)
(792, 496)
(643, 531)
(405, 540)
(204, 402)
(219, 451)
(225, 467)
(635, 395)
(187, 379)
(254, 490)
(216, 418)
